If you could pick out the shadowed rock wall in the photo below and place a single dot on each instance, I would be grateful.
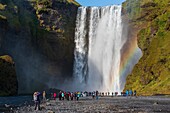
(39, 35)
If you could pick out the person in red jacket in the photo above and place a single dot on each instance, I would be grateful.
(54, 95)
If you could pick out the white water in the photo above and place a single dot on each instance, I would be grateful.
(81, 48)
(99, 41)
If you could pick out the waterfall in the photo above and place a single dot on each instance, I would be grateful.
(99, 40)
(80, 65)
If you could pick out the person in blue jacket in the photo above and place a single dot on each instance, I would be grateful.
(127, 93)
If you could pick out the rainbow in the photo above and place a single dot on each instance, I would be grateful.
(130, 57)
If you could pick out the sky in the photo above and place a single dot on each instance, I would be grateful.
(99, 2)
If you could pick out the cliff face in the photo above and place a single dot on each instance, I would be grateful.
(151, 24)
(39, 36)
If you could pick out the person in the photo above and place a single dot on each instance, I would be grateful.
(75, 95)
(121, 93)
(36, 97)
(54, 95)
(130, 93)
(72, 95)
(103, 94)
(134, 93)
(44, 97)
(62, 95)
(116, 93)
(78, 95)
(93, 95)
(97, 95)
(59, 95)
(127, 93)
(112, 94)
(67, 96)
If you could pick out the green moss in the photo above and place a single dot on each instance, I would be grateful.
(73, 2)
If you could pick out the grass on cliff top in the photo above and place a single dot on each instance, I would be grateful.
(74, 2)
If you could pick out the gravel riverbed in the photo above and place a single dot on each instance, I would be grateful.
(103, 105)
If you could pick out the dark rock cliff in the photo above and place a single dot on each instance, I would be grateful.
(39, 36)
(151, 22)
(8, 79)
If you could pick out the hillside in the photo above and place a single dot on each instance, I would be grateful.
(151, 23)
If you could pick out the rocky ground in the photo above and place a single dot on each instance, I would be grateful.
(104, 105)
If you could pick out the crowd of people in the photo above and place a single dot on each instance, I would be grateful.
(37, 96)
(69, 95)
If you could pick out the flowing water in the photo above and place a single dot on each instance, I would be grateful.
(99, 42)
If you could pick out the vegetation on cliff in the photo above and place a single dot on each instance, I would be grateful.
(151, 20)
